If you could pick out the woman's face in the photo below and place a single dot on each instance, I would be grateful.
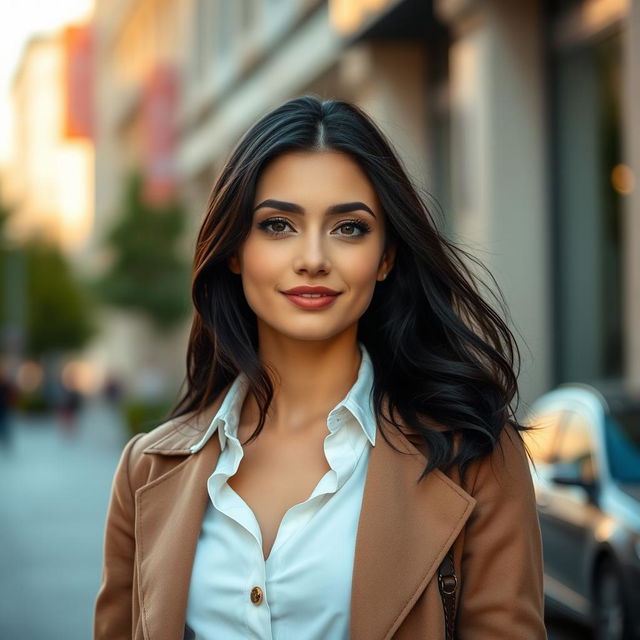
(296, 240)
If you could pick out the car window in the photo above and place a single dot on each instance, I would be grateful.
(623, 445)
(575, 445)
(542, 438)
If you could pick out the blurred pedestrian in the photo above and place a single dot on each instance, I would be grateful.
(112, 390)
(8, 395)
(70, 404)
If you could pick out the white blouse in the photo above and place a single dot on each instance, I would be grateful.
(303, 590)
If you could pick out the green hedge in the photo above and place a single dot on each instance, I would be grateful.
(142, 415)
(33, 402)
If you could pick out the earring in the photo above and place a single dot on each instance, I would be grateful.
(384, 276)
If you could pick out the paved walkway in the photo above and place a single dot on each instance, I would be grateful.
(54, 491)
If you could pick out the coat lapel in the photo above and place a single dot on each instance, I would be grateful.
(404, 532)
(169, 514)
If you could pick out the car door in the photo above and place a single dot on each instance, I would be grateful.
(570, 510)
(542, 444)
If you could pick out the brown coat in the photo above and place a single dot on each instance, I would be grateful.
(159, 496)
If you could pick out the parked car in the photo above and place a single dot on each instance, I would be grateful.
(586, 472)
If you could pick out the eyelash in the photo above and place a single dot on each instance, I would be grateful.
(363, 227)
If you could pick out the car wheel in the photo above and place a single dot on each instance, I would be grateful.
(610, 614)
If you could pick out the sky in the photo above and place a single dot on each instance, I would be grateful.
(19, 21)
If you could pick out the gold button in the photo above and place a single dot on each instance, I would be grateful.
(256, 595)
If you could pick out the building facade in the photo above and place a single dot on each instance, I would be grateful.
(139, 53)
(515, 119)
(49, 184)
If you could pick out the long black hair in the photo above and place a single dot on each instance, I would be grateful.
(443, 358)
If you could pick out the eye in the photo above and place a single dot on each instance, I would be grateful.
(276, 222)
(277, 227)
(362, 227)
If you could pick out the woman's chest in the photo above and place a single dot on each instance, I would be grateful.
(273, 476)
(303, 586)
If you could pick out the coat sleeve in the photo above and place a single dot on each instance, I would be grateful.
(113, 606)
(502, 567)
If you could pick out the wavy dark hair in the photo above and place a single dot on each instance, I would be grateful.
(440, 352)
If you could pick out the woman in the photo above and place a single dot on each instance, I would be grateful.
(344, 462)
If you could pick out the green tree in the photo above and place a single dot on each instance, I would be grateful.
(39, 290)
(148, 273)
(4, 215)
(59, 312)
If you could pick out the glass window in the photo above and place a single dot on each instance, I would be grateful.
(201, 27)
(575, 446)
(224, 27)
(247, 14)
(560, 7)
(622, 431)
(541, 439)
(589, 176)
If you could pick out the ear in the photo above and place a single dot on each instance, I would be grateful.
(234, 264)
(387, 261)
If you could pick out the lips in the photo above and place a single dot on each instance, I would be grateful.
(325, 291)
(311, 297)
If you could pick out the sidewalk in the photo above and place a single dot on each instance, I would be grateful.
(54, 492)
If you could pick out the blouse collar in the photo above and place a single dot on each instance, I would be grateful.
(358, 402)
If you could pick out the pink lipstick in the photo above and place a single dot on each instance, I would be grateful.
(307, 297)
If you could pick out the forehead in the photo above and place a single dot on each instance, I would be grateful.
(329, 176)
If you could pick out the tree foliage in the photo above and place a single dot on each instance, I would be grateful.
(4, 215)
(39, 289)
(148, 273)
(59, 313)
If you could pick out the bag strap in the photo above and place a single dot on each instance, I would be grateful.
(448, 583)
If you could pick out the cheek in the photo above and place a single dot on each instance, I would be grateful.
(362, 266)
(361, 280)
(260, 263)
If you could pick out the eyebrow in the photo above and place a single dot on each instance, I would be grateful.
(291, 207)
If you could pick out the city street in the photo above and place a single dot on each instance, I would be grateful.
(54, 490)
(466, 172)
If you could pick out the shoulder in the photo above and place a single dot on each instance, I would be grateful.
(156, 436)
(177, 434)
(163, 432)
(504, 517)
(135, 467)
(500, 553)
(506, 466)
(149, 454)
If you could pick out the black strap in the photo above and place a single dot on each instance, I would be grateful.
(448, 584)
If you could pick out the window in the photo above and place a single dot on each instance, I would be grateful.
(575, 447)
(201, 28)
(541, 440)
(588, 172)
(224, 28)
(622, 433)
(247, 15)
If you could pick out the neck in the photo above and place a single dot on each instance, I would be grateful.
(310, 378)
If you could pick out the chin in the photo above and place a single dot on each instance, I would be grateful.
(308, 333)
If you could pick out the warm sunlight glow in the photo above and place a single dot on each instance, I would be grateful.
(29, 376)
(622, 179)
(74, 177)
(81, 375)
(49, 169)
(19, 23)
(347, 16)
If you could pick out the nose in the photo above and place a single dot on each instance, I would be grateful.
(312, 257)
